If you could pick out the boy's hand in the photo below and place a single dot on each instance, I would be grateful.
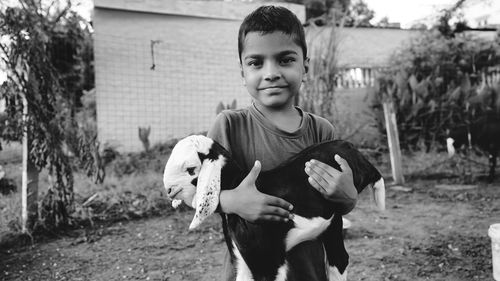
(252, 205)
(336, 186)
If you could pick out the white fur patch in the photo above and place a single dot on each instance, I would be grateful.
(305, 229)
(282, 272)
(242, 271)
(335, 275)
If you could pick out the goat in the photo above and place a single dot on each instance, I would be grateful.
(198, 168)
(483, 133)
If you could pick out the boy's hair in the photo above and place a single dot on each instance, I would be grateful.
(268, 19)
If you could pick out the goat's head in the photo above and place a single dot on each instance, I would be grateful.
(192, 175)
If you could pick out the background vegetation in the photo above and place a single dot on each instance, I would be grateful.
(435, 83)
(47, 53)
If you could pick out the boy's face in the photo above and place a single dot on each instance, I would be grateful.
(273, 67)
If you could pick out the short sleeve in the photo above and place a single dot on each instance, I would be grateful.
(325, 130)
(328, 131)
(219, 131)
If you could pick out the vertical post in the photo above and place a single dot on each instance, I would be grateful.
(393, 139)
(29, 190)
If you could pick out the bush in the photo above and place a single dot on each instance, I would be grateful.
(437, 83)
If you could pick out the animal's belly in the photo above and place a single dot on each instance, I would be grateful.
(305, 229)
(260, 249)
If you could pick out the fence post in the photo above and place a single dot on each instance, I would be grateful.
(29, 190)
(393, 139)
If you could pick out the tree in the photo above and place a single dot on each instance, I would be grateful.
(323, 8)
(383, 22)
(443, 25)
(42, 50)
(359, 15)
(419, 26)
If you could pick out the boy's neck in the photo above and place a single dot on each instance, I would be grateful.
(287, 119)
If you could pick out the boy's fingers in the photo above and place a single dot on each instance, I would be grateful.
(321, 168)
(280, 212)
(278, 202)
(318, 176)
(254, 173)
(314, 183)
(273, 218)
(344, 166)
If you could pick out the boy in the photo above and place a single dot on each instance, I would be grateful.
(273, 60)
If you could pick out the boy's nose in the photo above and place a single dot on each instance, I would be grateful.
(272, 73)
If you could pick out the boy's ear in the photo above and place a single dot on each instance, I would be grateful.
(306, 69)
(242, 74)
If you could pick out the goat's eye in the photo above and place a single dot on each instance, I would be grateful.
(190, 170)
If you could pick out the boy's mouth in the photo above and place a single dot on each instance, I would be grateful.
(272, 89)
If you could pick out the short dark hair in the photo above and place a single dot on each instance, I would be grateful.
(268, 19)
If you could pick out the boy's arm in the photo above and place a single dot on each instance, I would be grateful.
(336, 186)
(245, 200)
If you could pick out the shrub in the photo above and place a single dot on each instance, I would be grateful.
(436, 83)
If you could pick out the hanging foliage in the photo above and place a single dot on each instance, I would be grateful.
(41, 48)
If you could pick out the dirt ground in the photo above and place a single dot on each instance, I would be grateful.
(427, 233)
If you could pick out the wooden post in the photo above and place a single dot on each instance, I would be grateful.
(29, 190)
(393, 139)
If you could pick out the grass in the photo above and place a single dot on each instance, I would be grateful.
(132, 189)
(133, 185)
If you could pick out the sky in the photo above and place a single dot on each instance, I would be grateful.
(408, 12)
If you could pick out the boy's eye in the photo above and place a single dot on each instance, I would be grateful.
(254, 63)
(287, 60)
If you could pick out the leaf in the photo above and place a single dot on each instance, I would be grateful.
(455, 94)
(465, 83)
(413, 82)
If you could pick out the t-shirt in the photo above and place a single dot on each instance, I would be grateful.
(249, 136)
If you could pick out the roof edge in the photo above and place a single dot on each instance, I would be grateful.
(205, 9)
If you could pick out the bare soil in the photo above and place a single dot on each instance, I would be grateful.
(427, 233)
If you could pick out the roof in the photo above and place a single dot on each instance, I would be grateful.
(205, 9)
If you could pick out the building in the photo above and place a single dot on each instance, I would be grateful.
(168, 64)
(165, 65)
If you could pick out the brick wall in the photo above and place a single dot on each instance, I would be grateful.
(196, 67)
(194, 71)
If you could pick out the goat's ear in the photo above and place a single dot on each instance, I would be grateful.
(206, 198)
(378, 191)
